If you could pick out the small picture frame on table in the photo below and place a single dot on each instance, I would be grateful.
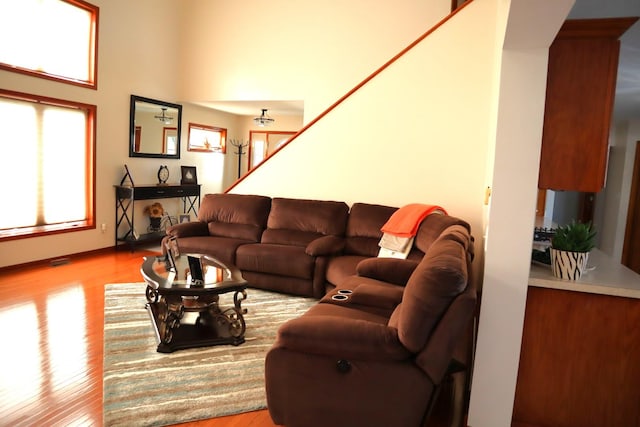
(188, 176)
(185, 218)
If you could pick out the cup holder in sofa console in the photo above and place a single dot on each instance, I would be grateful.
(345, 291)
(339, 297)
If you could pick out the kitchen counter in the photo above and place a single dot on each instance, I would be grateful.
(604, 276)
(580, 348)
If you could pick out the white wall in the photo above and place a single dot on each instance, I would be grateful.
(130, 62)
(530, 29)
(294, 50)
(615, 198)
(398, 139)
(141, 46)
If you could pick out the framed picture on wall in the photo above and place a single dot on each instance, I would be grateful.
(188, 175)
(185, 218)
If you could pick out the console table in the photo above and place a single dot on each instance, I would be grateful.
(127, 195)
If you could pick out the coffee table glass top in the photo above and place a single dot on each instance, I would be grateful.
(190, 271)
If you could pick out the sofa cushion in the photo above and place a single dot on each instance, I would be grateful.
(313, 216)
(438, 279)
(325, 245)
(188, 229)
(222, 248)
(363, 228)
(341, 267)
(289, 237)
(237, 216)
(333, 330)
(282, 260)
(392, 270)
(432, 227)
(369, 295)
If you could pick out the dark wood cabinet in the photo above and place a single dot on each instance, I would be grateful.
(579, 363)
(581, 81)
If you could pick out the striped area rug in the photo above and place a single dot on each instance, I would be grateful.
(145, 388)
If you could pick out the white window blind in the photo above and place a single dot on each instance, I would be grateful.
(46, 167)
(52, 37)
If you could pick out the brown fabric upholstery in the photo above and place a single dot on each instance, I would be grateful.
(433, 226)
(438, 279)
(298, 233)
(237, 216)
(376, 357)
(221, 248)
(363, 235)
(363, 228)
(314, 216)
(318, 394)
(367, 295)
(275, 259)
(225, 222)
(392, 270)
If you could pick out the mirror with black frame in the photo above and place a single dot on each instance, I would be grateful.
(154, 128)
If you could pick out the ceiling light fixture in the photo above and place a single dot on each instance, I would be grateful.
(264, 119)
(164, 118)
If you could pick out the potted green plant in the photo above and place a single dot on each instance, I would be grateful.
(570, 247)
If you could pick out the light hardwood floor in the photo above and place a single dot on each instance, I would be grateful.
(51, 332)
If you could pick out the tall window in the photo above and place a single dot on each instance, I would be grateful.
(47, 167)
(55, 39)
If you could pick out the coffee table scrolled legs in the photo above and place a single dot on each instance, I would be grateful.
(235, 323)
(152, 294)
(169, 315)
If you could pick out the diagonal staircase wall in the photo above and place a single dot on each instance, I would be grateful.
(419, 131)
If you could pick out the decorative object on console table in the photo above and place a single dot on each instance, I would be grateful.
(570, 247)
(163, 175)
(188, 175)
(127, 176)
(155, 213)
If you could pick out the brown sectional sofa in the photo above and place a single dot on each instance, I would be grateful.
(296, 246)
(377, 356)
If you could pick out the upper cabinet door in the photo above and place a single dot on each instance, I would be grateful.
(581, 81)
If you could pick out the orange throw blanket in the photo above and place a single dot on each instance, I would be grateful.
(405, 221)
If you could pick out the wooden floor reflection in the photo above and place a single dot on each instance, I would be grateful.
(51, 330)
(51, 321)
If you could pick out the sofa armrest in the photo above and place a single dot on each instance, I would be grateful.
(325, 245)
(392, 270)
(188, 229)
(342, 337)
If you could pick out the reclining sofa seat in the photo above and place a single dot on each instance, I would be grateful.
(292, 254)
(361, 244)
(344, 363)
(225, 221)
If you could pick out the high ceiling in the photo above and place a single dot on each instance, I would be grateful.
(254, 108)
(627, 101)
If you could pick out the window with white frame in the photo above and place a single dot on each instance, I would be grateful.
(54, 39)
(47, 165)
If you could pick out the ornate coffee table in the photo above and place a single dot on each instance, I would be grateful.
(183, 295)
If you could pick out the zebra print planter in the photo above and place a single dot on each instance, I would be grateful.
(568, 265)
